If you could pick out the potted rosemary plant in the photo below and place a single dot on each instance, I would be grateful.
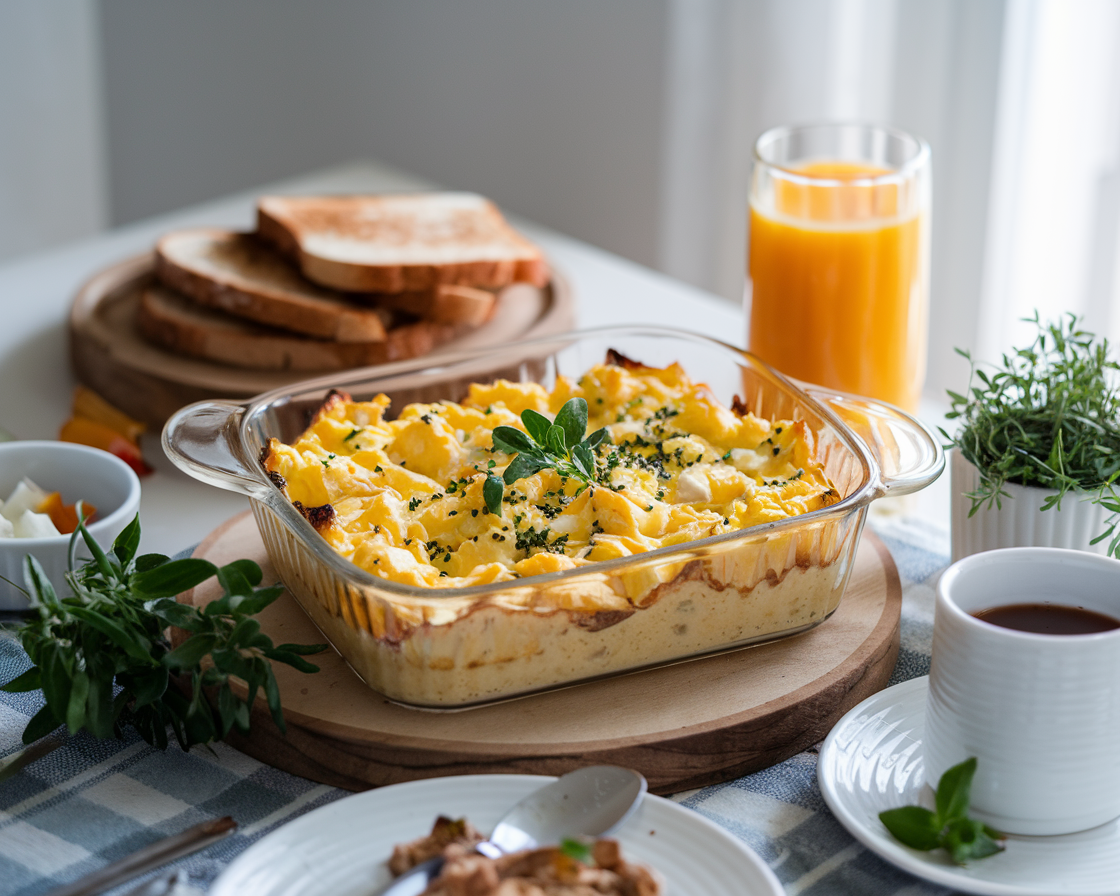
(1037, 453)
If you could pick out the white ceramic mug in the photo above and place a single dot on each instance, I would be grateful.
(1041, 713)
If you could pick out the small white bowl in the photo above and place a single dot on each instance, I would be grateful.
(1019, 521)
(79, 473)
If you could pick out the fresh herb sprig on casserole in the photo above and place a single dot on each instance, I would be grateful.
(1048, 416)
(546, 444)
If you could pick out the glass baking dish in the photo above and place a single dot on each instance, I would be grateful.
(460, 647)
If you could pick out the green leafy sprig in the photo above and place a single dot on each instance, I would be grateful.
(546, 444)
(103, 660)
(949, 826)
(1048, 417)
(579, 850)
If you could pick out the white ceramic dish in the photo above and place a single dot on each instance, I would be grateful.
(79, 473)
(872, 760)
(341, 849)
(1019, 521)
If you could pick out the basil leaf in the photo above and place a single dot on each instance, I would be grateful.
(41, 724)
(492, 490)
(966, 838)
(76, 710)
(597, 438)
(555, 439)
(99, 556)
(572, 419)
(126, 544)
(227, 709)
(171, 612)
(38, 585)
(953, 791)
(250, 606)
(272, 692)
(302, 649)
(188, 654)
(26, 681)
(914, 826)
(523, 465)
(511, 440)
(296, 662)
(173, 578)
(584, 460)
(150, 561)
(233, 580)
(248, 569)
(536, 425)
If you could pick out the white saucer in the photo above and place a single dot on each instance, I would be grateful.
(340, 849)
(872, 761)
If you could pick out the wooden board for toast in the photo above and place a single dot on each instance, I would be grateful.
(682, 726)
(150, 383)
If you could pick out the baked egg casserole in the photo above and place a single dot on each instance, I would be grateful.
(405, 499)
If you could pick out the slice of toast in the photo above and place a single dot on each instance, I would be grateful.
(447, 304)
(400, 243)
(177, 323)
(241, 274)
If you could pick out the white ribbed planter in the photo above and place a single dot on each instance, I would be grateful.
(1019, 522)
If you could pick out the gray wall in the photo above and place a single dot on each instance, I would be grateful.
(206, 97)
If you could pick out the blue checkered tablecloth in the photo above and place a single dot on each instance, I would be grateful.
(89, 802)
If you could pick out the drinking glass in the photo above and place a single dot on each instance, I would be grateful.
(838, 263)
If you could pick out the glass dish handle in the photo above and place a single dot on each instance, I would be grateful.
(909, 453)
(201, 440)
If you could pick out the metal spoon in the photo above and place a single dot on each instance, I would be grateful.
(589, 801)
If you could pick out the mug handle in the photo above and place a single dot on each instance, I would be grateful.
(201, 440)
(909, 454)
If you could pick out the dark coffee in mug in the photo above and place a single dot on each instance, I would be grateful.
(1048, 619)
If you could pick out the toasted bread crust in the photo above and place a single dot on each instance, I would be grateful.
(174, 322)
(444, 304)
(394, 244)
(239, 274)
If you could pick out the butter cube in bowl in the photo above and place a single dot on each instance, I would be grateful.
(40, 482)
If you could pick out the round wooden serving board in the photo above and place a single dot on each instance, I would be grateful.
(682, 726)
(150, 383)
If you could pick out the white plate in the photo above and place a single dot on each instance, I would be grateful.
(872, 760)
(341, 849)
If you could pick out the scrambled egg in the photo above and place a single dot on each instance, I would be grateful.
(403, 499)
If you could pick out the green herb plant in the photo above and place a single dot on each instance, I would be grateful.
(546, 444)
(103, 660)
(948, 826)
(1048, 417)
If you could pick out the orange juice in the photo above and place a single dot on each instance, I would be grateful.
(838, 268)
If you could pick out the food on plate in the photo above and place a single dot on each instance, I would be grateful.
(445, 832)
(96, 423)
(417, 272)
(239, 274)
(549, 557)
(172, 320)
(398, 243)
(447, 303)
(32, 512)
(574, 868)
(405, 499)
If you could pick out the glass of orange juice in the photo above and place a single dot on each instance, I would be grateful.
(838, 264)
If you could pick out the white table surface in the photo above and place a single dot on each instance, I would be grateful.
(177, 511)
